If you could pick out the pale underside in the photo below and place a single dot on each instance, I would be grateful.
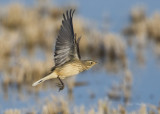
(69, 69)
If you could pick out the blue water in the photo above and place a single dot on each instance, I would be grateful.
(117, 12)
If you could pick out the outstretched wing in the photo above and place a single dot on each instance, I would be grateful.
(66, 45)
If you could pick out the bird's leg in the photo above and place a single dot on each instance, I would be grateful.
(61, 84)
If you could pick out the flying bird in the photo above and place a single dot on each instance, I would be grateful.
(67, 55)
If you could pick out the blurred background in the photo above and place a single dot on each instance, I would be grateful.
(122, 36)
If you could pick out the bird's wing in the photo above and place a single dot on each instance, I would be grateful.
(77, 46)
(66, 46)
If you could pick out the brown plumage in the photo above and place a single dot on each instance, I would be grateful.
(67, 56)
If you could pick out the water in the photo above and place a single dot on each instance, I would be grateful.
(116, 11)
(98, 11)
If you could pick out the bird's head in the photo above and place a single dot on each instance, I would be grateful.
(89, 63)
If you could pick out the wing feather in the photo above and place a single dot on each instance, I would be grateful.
(66, 47)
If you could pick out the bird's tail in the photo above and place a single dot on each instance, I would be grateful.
(50, 76)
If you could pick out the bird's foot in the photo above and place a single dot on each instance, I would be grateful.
(60, 85)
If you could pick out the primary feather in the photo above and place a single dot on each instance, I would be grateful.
(66, 47)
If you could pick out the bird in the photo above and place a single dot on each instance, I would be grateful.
(67, 57)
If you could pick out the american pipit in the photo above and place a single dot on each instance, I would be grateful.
(67, 56)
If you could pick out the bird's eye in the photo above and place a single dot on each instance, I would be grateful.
(91, 62)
